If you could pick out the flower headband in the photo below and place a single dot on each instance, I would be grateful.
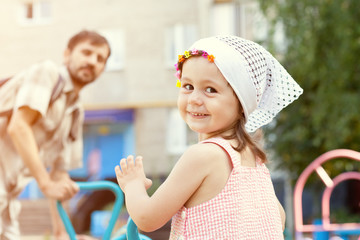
(187, 55)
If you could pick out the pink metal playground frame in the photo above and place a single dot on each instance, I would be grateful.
(330, 184)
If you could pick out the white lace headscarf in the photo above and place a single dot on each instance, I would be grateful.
(260, 82)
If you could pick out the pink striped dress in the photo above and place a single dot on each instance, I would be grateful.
(245, 209)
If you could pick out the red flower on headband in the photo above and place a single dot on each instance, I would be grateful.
(211, 58)
(181, 58)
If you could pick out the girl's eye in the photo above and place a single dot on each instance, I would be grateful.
(210, 90)
(188, 87)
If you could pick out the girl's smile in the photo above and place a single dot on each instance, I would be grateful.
(198, 115)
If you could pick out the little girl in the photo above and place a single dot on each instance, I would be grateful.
(220, 188)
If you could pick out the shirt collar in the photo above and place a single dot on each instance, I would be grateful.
(69, 86)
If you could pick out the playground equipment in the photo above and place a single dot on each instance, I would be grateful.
(131, 229)
(325, 226)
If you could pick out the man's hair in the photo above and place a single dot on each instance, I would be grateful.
(85, 35)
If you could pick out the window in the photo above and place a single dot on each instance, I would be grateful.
(179, 135)
(29, 11)
(116, 39)
(35, 12)
(223, 19)
(176, 133)
(178, 38)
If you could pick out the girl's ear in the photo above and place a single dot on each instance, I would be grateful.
(241, 109)
(241, 112)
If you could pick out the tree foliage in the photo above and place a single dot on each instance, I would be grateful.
(323, 56)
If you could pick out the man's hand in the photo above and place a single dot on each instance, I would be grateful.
(59, 187)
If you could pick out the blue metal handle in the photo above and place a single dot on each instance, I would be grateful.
(132, 230)
(97, 185)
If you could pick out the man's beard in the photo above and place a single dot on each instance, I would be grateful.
(78, 79)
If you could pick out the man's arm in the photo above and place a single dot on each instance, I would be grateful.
(57, 224)
(21, 134)
(57, 186)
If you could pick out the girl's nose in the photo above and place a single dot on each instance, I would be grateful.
(195, 98)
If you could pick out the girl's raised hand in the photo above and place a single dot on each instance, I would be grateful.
(130, 170)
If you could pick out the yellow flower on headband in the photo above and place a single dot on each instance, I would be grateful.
(187, 54)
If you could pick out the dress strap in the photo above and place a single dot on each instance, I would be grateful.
(234, 155)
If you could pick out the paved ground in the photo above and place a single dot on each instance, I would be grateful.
(35, 238)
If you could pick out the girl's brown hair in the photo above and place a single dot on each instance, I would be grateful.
(253, 141)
